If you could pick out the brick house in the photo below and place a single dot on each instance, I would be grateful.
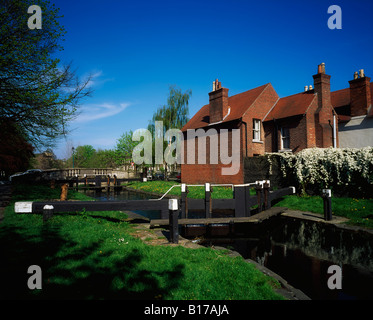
(355, 112)
(266, 123)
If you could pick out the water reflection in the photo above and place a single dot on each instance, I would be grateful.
(302, 251)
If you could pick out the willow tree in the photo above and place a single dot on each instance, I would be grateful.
(37, 93)
(174, 114)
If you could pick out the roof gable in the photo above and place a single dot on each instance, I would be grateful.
(293, 105)
(238, 105)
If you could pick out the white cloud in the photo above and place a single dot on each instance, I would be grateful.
(100, 111)
(96, 79)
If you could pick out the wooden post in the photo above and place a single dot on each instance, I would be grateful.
(247, 197)
(64, 190)
(239, 201)
(267, 201)
(76, 182)
(97, 181)
(327, 198)
(259, 195)
(207, 200)
(173, 220)
(184, 201)
(48, 211)
(85, 180)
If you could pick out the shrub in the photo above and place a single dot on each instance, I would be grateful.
(347, 171)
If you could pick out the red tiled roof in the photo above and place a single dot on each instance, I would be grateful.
(293, 105)
(296, 104)
(238, 104)
(340, 98)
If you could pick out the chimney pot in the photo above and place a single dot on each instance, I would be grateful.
(305, 88)
(321, 68)
(356, 75)
(361, 73)
(311, 87)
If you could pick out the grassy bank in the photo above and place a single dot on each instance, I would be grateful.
(92, 255)
(359, 211)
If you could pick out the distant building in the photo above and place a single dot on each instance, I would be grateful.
(268, 123)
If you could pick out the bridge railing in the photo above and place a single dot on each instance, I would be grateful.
(81, 172)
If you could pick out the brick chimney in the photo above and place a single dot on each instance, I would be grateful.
(321, 83)
(324, 112)
(360, 96)
(218, 102)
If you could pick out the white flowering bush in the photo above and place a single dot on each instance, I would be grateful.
(335, 168)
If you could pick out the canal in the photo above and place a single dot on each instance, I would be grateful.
(300, 251)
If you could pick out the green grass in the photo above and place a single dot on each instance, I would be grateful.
(194, 192)
(91, 255)
(359, 211)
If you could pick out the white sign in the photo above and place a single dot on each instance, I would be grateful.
(172, 204)
(23, 207)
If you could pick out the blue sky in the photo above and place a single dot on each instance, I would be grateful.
(136, 49)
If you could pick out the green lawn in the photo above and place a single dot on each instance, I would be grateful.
(195, 192)
(91, 255)
(359, 211)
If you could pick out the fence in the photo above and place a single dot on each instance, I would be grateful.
(241, 203)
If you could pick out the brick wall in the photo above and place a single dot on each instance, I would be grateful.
(201, 173)
(259, 110)
(310, 120)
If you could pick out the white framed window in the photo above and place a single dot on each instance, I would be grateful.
(285, 138)
(256, 130)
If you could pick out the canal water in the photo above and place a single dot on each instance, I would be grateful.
(300, 251)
